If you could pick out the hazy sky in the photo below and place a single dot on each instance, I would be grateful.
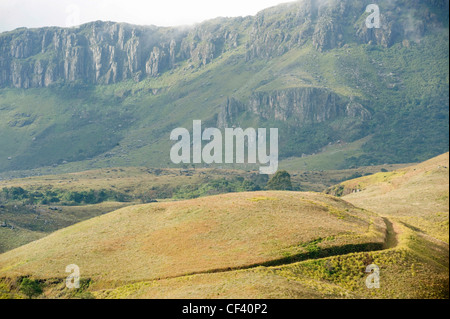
(39, 13)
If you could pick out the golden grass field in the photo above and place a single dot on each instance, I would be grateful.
(32, 222)
(418, 196)
(173, 239)
(40, 221)
(257, 245)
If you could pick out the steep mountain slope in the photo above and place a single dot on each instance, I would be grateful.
(107, 94)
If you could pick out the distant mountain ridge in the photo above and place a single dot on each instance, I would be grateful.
(108, 52)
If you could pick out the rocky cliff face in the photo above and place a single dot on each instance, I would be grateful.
(298, 106)
(229, 113)
(104, 53)
(330, 24)
(107, 52)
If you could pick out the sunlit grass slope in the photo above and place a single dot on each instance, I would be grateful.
(210, 234)
(413, 268)
(34, 217)
(417, 195)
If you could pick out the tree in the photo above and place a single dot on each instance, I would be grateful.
(30, 288)
(281, 181)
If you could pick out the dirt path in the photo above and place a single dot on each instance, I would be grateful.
(391, 234)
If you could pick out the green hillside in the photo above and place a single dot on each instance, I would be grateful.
(391, 92)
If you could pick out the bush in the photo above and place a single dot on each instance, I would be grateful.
(30, 288)
(281, 181)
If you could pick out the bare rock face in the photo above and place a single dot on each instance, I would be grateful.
(104, 52)
(385, 36)
(302, 105)
(108, 52)
(297, 106)
(330, 24)
(230, 112)
(356, 110)
(326, 34)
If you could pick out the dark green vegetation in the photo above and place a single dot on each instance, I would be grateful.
(204, 187)
(281, 181)
(108, 94)
(61, 197)
(222, 186)
(31, 288)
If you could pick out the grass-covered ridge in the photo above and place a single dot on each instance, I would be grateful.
(406, 273)
(33, 207)
(416, 195)
(257, 245)
(204, 235)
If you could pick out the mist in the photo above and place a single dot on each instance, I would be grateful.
(68, 13)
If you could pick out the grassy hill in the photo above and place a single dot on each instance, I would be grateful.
(418, 195)
(26, 223)
(215, 234)
(186, 237)
(257, 244)
(414, 203)
(34, 207)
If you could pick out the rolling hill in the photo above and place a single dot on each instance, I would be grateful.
(33, 207)
(257, 244)
(417, 195)
(203, 235)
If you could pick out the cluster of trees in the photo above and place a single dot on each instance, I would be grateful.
(61, 197)
(256, 182)
(280, 181)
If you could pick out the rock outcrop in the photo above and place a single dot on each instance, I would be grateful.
(230, 112)
(104, 52)
(297, 107)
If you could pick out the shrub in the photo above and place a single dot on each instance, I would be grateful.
(30, 288)
(281, 181)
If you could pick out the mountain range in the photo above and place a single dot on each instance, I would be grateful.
(108, 94)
